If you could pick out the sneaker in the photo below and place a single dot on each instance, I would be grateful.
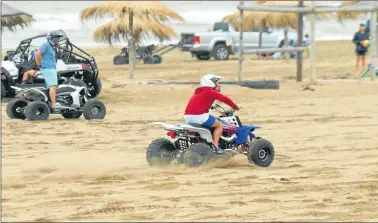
(219, 150)
(56, 107)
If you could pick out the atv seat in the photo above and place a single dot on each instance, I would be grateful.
(211, 129)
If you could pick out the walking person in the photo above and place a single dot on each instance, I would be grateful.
(361, 51)
(46, 60)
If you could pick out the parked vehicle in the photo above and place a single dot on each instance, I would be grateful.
(78, 64)
(223, 41)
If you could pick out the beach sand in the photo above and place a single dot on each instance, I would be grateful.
(326, 144)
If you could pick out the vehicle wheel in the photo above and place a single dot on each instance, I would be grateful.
(159, 152)
(220, 52)
(198, 154)
(3, 90)
(261, 153)
(148, 60)
(96, 88)
(15, 109)
(157, 59)
(119, 60)
(203, 56)
(94, 109)
(37, 110)
(72, 115)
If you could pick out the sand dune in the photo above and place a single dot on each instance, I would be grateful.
(326, 142)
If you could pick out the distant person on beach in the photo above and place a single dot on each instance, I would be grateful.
(306, 43)
(367, 27)
(360, 50)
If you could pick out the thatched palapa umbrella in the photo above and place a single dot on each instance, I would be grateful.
(12, 17)
(353, 15)
(132, 19)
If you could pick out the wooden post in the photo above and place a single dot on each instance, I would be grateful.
(241, 45)
(313, 47)
(373, 40)
(300, 43)
(260, 40)
(132, 47)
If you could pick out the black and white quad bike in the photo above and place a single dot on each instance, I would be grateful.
(35, 104)
(193, 145)
(72, 61)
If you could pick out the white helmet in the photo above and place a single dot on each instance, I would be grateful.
(210, 80)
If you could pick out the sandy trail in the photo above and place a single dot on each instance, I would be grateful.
(326, 145)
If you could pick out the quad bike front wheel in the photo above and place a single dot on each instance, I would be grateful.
(15, 109)
(159, 152)
(157, 59)
(94, 109)
(198, 154)
(37, 110)
(261, 153)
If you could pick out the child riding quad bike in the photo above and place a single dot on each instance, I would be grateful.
(35, 104)
(204, 136)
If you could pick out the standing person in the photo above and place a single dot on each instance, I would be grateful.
(46, 60)
(360, 50)
(306, 43)
(367, 27)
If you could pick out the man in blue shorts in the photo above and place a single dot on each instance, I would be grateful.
(46, 60)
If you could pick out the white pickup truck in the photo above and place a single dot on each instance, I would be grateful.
(223, 41)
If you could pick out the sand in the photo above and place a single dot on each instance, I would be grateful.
(326, 144)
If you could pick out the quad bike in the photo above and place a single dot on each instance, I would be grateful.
(35, 104)
(72, 61)
(193, 145)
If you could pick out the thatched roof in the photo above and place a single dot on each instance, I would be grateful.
(271, 19)
(116, 29)
(353, 15)
(151, 9)
(12, 17)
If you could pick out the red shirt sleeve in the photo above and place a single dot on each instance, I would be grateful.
(220, 97)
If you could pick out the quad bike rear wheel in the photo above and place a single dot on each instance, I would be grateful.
(15, 109)
(159, 152)
(72, 115)
(198, 154)
(120, 59)
(148, 60)
(37, 110)
(94, 109)
(261, 153)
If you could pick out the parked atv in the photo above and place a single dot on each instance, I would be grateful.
(193, 144)
(78, 64)
(35, 104)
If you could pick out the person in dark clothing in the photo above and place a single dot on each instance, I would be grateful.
(360, 50)
(197, 110)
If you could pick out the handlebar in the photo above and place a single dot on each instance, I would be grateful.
(224, 112)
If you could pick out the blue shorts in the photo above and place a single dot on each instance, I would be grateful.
(51, 77)
(209, 122)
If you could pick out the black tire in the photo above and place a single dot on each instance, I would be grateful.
(159, 152)
(198, 154)
(203, 56)
(15, 109)
(72, 115)
(220, 52)
(261, 153)
(94, 109)
(96, 90)
(3, 90)
(37, 110)
(148, 60)
(119, 60)
(157, 59)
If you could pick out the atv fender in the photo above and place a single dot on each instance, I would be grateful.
(243, 132)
